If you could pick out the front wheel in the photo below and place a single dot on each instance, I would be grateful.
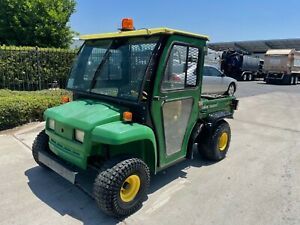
(120, 191)
(214, 146)
(231, 89)
(41, 143)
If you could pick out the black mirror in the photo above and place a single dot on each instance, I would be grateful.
(222, 75)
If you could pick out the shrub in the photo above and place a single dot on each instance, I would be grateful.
(27, 68)
(17, 108)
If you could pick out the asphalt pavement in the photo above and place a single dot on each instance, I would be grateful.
(259, 87)
(257, 183)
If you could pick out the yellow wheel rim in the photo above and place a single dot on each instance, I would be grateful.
(223, 141)
(130, 188)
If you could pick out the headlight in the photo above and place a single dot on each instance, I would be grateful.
(79, 135)
(51, 124)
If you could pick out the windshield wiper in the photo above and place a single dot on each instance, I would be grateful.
(99, 68)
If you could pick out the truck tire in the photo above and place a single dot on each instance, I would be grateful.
(289, 80)
(215, 145)
(250, 77)
(244, 77)
(296, 80)
(120, 190)
(41, 143)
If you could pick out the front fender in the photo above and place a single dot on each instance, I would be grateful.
(120, 133)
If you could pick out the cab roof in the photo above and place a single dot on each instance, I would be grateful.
(142, 32)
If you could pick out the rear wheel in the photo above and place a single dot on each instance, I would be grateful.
(250, 77)
(214, 146)
(245, 77)
(296, 79)
(41, 143)
(120, 191)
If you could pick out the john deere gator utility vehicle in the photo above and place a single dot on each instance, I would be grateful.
(135, 111)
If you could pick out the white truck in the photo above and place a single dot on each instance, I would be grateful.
(282, 66)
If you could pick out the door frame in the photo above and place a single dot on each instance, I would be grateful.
(159, 97)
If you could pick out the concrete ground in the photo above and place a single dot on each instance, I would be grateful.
(258, 182)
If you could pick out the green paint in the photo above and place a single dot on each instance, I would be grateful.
(106, 135)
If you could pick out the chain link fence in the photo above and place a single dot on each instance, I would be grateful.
(27, 68)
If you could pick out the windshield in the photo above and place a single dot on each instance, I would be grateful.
(113, 67)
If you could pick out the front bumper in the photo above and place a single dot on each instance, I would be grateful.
(57, 166)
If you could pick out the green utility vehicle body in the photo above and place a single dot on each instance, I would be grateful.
(104, 131)
(106, 135)
(143, 73)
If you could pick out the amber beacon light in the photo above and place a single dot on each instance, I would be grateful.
(127, 24)
(65, 99)
(127, 116)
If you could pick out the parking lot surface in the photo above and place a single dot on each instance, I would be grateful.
(258, 182)
(253, 88)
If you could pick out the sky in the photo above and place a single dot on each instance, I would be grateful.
(221, 20)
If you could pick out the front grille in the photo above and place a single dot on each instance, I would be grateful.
(63, 148)
(64, 131)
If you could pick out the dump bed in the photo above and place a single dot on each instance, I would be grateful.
(209, 105)
(282, 61)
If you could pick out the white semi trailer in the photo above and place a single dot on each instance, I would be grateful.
(282, 66)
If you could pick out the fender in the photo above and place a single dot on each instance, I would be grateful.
(197, 130)
(205, 127)
(120, 133)
(214, 118)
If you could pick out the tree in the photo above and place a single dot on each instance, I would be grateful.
(42, 23)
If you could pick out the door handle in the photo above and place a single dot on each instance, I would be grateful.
(157, 98)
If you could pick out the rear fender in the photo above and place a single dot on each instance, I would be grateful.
(196, 132)
(204, 128)
(215, 119)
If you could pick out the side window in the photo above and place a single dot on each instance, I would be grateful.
(214, 72)
(206, 71)
(181, 69)
(192, 67)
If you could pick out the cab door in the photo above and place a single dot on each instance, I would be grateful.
(175, 98)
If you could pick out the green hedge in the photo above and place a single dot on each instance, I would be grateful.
(17, 108)
(28, 68)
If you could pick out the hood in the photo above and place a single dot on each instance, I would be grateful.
(84, 114)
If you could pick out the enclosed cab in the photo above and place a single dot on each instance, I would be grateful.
(282, 66)
(131, 117)
(240, 65)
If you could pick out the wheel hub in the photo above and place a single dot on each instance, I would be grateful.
(223, 141)
(130, 188)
